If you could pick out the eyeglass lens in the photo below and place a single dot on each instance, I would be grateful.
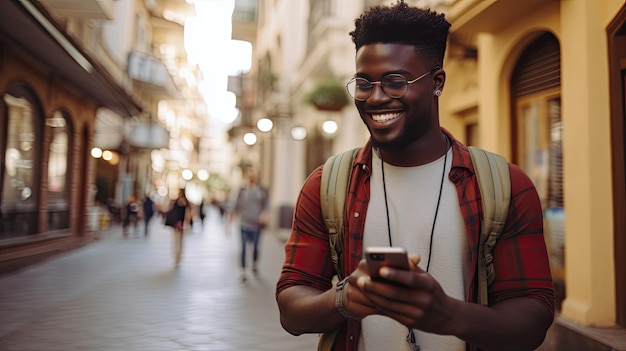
(394, 85)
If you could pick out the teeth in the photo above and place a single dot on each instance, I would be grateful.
(385, 117)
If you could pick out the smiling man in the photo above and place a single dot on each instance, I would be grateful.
(413, 185)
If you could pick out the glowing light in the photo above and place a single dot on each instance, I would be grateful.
(329, 127)
(187, 174)
(298, 133)
(265, 124)
(249, 139)
(107, 155)
(203, 174)
(96, 152)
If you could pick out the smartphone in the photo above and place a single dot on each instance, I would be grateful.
(377, 257)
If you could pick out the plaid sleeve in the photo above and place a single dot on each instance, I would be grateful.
(307, 253)
(520, 255)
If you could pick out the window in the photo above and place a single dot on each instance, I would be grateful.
(58, 180)
(21, 158)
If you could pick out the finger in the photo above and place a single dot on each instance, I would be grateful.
(387, 290)
(360, 271)
(417, 279)
(398, 302)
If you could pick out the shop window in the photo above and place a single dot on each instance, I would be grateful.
(21, 168)
(58, 173)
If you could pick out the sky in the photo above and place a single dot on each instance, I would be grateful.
(209, 44)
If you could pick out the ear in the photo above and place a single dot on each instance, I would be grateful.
(439, 78)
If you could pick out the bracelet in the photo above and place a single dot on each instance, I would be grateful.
(339, 299)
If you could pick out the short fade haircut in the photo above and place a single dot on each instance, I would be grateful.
(423, 28)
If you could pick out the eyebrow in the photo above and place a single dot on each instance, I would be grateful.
(400, 72)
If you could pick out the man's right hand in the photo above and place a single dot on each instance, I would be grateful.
(359, 302)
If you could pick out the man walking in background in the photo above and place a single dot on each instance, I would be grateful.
(252, 208)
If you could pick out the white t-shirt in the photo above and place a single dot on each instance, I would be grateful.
(412, 194)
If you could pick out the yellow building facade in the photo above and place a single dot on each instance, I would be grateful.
(541, 82)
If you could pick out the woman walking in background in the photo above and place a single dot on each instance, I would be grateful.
(177, 217)
(148, 212)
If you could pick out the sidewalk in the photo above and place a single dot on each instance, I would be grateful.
(126, 294)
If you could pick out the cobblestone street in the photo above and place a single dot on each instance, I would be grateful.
(126, 294)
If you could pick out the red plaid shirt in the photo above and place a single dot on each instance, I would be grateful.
(520, 256)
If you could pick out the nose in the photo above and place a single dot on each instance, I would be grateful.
(377, 94)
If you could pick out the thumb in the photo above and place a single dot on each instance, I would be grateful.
(414, 260)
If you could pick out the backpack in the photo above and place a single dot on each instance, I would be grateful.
(492, 173)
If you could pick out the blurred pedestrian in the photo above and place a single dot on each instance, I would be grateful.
(114, 210)
(178, 217)
(148, 212)
(202, 212)
(131, 216)
(252, 208)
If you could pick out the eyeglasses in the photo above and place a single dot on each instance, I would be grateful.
(394, 85)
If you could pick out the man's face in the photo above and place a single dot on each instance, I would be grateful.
(252, 176)
(396, 122)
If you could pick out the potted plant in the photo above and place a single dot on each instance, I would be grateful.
(328, 95)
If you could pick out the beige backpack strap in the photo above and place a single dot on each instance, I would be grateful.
(333, 191)
(492, 173)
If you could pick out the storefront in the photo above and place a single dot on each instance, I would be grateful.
(51, 91)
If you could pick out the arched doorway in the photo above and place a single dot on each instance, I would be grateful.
(22, 121)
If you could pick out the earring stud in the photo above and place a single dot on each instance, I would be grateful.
(438, 92)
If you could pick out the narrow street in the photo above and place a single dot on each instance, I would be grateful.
(126, 294)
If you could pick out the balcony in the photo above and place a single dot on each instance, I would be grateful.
(87, 9)
(152, 75)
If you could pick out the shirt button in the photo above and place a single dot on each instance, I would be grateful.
(351, 337)
(356, 215)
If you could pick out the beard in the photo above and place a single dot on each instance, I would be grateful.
(397, 143)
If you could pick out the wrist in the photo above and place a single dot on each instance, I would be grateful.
(339, 299)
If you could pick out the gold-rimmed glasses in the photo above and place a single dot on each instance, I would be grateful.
(394, 85)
